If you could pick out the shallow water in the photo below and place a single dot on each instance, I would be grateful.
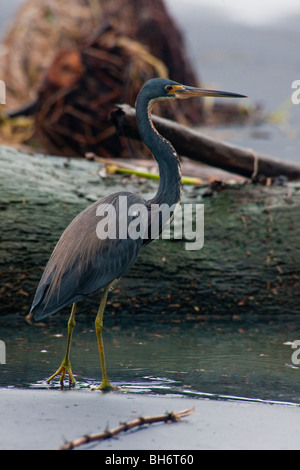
(236, 359)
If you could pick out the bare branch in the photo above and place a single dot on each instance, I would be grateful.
(193, 144)
(108, 433)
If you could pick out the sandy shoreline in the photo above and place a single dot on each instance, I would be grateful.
(45, 419)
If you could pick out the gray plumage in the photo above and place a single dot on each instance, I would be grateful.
(81, 263)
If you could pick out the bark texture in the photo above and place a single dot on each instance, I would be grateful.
(249, 263)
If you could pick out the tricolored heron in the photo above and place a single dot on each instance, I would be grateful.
(82, 262)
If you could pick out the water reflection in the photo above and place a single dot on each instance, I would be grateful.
(223, 358)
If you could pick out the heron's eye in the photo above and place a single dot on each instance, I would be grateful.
(168, 88)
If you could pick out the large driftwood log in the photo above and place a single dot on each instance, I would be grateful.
(193, 144)
(249, 263)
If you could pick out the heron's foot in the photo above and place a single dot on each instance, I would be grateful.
(105, 386)
(64, 368)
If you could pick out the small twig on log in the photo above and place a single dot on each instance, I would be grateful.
(113, 166)
(165, 418)
(153, 176)
(193, 144)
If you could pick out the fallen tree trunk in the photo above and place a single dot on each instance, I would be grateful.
(193, 144)
(248, 264)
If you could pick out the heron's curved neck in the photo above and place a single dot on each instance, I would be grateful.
(169, 191)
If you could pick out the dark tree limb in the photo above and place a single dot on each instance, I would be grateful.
(193, 144)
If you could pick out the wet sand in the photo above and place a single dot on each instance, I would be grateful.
(45, 419)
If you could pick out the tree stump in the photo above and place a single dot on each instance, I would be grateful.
(68, 71)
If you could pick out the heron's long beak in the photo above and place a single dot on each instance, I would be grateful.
(182, 91)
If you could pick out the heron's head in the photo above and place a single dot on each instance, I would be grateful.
(161, 88)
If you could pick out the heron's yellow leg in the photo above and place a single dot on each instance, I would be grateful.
(66, 364)
(105, 384)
